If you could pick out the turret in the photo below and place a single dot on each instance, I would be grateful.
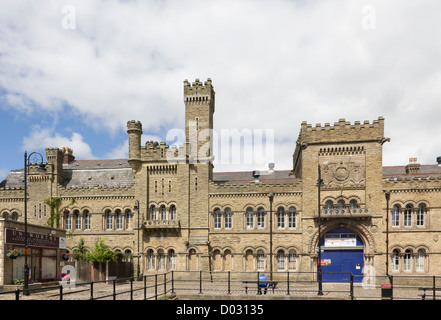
(134, 129)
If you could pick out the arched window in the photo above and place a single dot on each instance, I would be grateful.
(217, 218)
(328, 206)
(109, 220)
(153, 212)
(420, 260)
(340, 206)
(250, 218)
(150, 260)
(352, 205)
(260, 218)
(163, 213)
(171, 260)
(86, 215)
(396, 260)
(292, 217)
(395, 216)
(408, 216)
(292, 260)
(68, 220)
(260, 260)
(129, 219)
(228, 218)
(119, 219)
(408, 260)
(77, 218)
(421, 215)
(280, 217)
(280, 260)
(161, 260)
(172, 212)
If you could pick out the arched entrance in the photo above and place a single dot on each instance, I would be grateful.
(342, 254)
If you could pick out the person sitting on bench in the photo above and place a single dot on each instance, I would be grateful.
(262, 284)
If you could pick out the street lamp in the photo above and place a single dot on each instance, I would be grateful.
(387, 194)
(136, 207)
(319, 258)
(271, 198)
(41, 169)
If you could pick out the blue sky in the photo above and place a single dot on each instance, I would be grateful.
(73, 73)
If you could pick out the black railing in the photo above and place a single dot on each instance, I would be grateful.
(167, 285)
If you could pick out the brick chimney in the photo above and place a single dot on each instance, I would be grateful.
(67, 155)
(413, 167)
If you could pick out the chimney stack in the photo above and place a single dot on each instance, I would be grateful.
(67, 155)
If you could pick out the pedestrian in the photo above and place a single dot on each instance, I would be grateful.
(262, 284)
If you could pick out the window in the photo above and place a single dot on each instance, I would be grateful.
(281, 218)
(352, 206)
(260, 260)
(86, 215)
(408, 260)
(340, 204)
(292, 218)
(395, 216)
(260, 218)
(153, 212)
(217, 218)
(172, 212)
(395, 260)
(292, 260)
(328, 206)
(171, 259)
(119, 219)
(420, 260)
(109, 220)
(161, 260)
(421, 214)
(163, 213)
(280, 260)
(77, 220)
(68, 221)
(228, 219)
(129, 219)
(150, 260)
(408, 216)
(250, 218)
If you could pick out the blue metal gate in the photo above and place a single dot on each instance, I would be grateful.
(342, 254)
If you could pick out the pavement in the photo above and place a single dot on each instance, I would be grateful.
(218, 291)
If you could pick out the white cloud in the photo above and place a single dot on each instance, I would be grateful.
(274, 64)
(41, 138)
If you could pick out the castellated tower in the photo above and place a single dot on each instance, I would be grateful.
(134, 129)
(199, 110)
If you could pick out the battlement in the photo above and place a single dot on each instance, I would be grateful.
(134, 125)
(342, 131)
(198, 92)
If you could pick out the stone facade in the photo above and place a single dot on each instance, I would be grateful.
(166, 206)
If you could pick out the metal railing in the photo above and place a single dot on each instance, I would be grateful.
(168, 285)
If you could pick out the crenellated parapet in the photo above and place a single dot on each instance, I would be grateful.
(342, 131)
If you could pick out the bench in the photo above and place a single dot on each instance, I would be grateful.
(430, 289)
(269, 284)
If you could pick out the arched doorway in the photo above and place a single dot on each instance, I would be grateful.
(342, 254)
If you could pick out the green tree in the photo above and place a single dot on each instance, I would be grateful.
(81, 253)
(101, 253)
(54, 205)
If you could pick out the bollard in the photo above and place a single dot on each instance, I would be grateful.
(91, 290)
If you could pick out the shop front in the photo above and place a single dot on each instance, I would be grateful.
(45, 247)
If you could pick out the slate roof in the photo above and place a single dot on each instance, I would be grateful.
(117, 173)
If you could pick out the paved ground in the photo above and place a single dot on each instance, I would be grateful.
(213, 291)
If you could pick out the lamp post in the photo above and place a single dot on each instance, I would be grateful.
(387, 194)
(271, 198)
(136, 207)
(42, 169)
(319, 257)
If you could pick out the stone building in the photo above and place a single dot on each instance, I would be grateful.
(166, 206)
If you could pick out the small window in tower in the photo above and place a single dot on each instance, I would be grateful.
(197, 124)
